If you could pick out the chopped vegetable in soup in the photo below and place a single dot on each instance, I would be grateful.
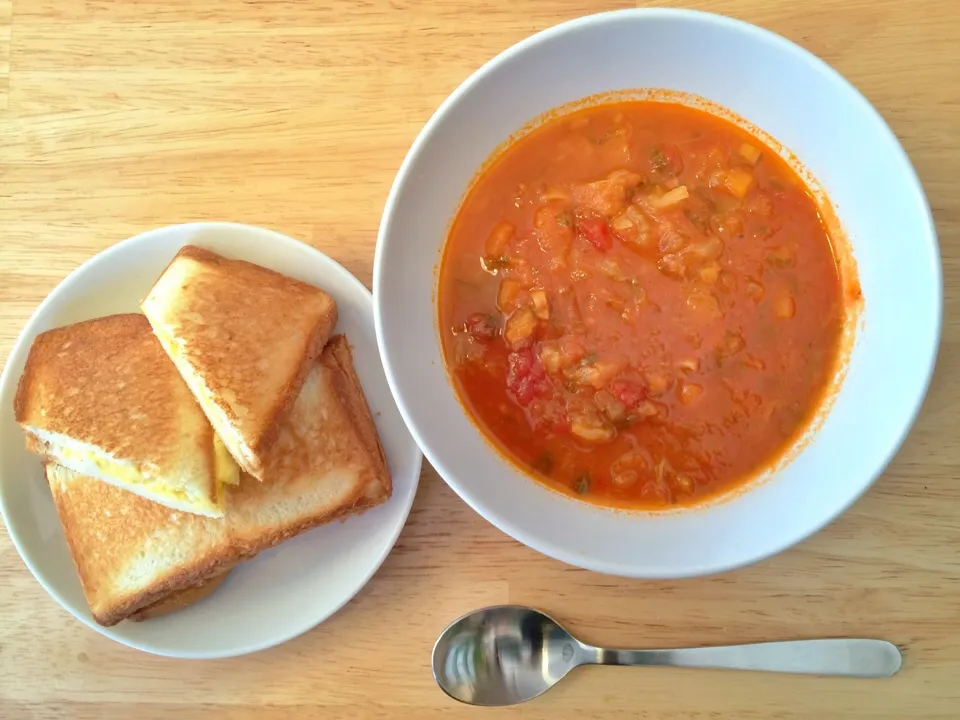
(639, 304)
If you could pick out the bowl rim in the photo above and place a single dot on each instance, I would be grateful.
(783, 45)
(6, 377)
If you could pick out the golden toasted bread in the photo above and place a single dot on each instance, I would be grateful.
(101, 397)
(180, 599)
(327, 459)
(130, 552)
(242, 337)
(326, 464)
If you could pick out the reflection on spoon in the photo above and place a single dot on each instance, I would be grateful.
(508, 654)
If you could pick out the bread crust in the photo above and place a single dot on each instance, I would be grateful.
(246, 333)
(340, 359)
(161, 592)
(321, 335)
(107, 384)
(180, 599)
(332, 467)
(102, 544)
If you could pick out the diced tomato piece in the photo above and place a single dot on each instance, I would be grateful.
(629, 393)
(524, 391)
(526, 378)
(482, 327)
(595, 232)
(525, 362)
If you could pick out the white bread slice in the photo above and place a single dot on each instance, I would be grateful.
(131, 552)
(327, 464)
(242, 337)
(181, 598)
(102, 398)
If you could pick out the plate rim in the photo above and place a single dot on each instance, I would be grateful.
(24, 337)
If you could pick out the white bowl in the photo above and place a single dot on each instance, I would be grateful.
(281, 593)
(803, 104)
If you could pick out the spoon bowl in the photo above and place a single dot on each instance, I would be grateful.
(509, 654)
(503, 655)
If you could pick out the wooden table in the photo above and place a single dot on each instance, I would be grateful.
(118, 116)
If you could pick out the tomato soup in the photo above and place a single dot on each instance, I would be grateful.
(640, 305)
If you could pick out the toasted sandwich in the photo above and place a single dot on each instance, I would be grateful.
(102, 398)
(243, 338)
(130, 552)
(327, 464)
(180, 599)
(327, 459)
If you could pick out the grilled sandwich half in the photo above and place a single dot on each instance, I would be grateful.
(327, 464)
(243, 338)
(102, 398)
(180, 599)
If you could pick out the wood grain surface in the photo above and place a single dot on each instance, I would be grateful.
(117, 116)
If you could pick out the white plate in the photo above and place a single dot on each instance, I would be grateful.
(805, 105)
(281, 593)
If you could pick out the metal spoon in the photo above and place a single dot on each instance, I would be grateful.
(508, 654)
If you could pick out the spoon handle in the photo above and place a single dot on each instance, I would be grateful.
(852, 657)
